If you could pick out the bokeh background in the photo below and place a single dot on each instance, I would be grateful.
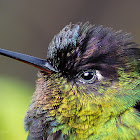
(27, 26)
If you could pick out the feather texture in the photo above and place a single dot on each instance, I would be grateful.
(63, 107)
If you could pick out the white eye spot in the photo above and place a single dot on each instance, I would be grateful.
(99, 76)
(86, 74)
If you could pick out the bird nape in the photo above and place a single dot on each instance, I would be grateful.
(88, 87)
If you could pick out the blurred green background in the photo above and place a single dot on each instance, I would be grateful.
(14, 101)
(27, 26)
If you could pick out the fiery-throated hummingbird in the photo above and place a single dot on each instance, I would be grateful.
(88, 87)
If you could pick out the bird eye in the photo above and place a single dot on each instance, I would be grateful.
(88, 76)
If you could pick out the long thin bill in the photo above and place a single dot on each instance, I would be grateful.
(34, 61)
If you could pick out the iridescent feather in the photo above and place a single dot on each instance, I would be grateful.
(64, 106)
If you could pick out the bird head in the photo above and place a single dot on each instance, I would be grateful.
(91, 74)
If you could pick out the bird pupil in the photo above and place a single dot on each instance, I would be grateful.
(87, 75)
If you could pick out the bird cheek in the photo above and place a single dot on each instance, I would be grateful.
(66, 87)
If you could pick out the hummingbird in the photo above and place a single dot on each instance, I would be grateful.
(88, 87)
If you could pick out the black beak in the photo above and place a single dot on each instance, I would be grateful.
(34, 61)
